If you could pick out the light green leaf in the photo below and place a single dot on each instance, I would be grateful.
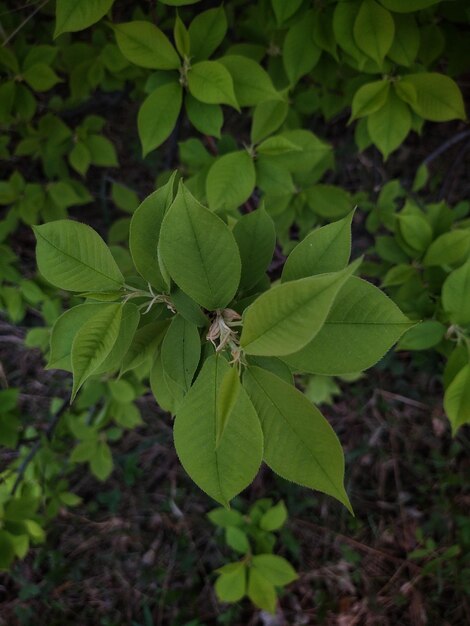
(251, 83)
(102, 151)
(143, 44)
(326, 249)
(456, 295)
(406, 41)
(285, 318)
(260, 591)
(423, 336)
(181, 37)
(206, 32)
(274, 518)
(145, 232)
(74, 15)
(127, 330)
(93, 342)
(210, 82)
(363, 321)
(230, 180)
(158, 114)
(223, 471)
(80, 158)
(272, 146)
(450, 248)
(225, 517)
(231, 586)
(415, 230)
(206, 118)
(389, 126)
(457, 399)
(439, 99)
(226, 400)
(374, 30)
(200, 252)
(72, 256)
(267, 118)
(329, 201)
(256, 238)
(369, 98)
(300, 53)
(274, 568)
(101, 461)
(237, 540)
(299, 444)
(144, 344)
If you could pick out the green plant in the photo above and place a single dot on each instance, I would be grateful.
(260, 574)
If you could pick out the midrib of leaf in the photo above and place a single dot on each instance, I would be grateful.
(299, 437)
(203, 264)
(71, 256)
(214, 414)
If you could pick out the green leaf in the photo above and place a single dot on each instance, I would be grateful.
(124, 198)
(93, 342)
(285, 318)
(158, 114)
(63, 333)
(41, 77)
(374, 30)
(406, 41)
(101, 461)
(299, 444)
(237, 540)
(226, 400)
(143, 44)
(272, 146)
(225, 517)
(145, 232)
(256, 238)
(363, 321)
(231, 586)
(102, 151)
(161, 387)
(181, 350)
(181, 37)
(129, 322)
(144, 343)
(439, 99)
(274, 568)
(74, 15)
(369, 98)
(457, 399)
(329, 201)
(415, 230)
(230, 180)
(267, 118)
(210, 82)
(326, 249)
(300, 53)
(450, 248)
(206, 32)
(423, 336)
(206, 118)
(72, 256)
(455, 295)
(251, 83)
(274, 518)
(80, 158)
(408, 6)
(283, 10)
(223, 471)
(260, 591)
(199, 252)
(389, 126)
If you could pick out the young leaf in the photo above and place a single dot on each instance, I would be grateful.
(72, 256)
(41, 77)
(260, 591)
(285, 318)
(274, 568)
(158, 114)
(144, 344)
(369, 98)
(389, 126)
(93, 342)
(101, 460)
(406, 41)
(256, 238)
(251, 83)
(363, 321)
(206, 118)
(74, 15)
(210, 82)
(206, 32)
(299, 444)
(438, 97)
(143, 44)
(449, 248)
(457, 399)
(199, 252)
(326, 249)
(129, 322)
(223, 471)
(231, 586)
(274, 518)
(230, 180)
(145, 232)
(374, 30)
(300, 53)
(267, 118)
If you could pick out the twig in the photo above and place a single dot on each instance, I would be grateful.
(35, 449)
(24, 22)
(445, 146)
(403, 399)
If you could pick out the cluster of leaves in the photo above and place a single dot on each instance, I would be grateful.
(425, 268)
(259, 574)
